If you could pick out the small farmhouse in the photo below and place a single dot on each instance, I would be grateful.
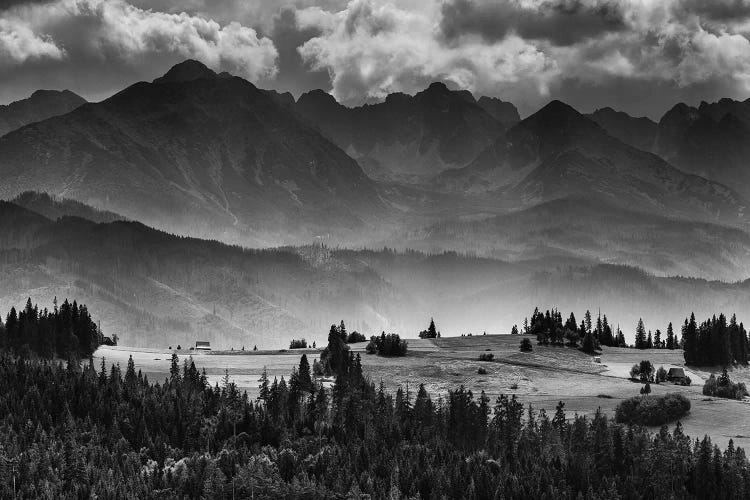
(676, 375)
(202, 346)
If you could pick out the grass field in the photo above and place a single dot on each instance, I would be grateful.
(542, 378)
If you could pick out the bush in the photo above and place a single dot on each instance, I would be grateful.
(387, 345)
(482, 371)
(486, 357)
(355, 337)
(723, 387)
(652, 410)
(298, 344)
(526, 346)
(643, 371)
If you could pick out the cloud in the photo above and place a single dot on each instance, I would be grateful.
(526, 51)
(562, 22)
(530, 50)
(19, 43)
(371, 49)
(94, 37)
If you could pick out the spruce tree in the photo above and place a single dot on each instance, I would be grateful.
(263, 387)
(640, 335)
(305, 379)
(670, 337)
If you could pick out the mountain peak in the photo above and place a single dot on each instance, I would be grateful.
(559, 109)
(437, 87)
(187, 71)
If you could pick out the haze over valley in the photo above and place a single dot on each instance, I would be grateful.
(438, 203)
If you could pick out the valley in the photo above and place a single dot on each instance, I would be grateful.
(541, 378)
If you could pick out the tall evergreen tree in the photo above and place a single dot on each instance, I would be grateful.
(640, 335)
(670, 337)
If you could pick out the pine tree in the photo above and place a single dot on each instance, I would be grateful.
(690, 340)
(305, 379)
(640, 335)
(657, 339)
(263, 387)
(649, 341)
(670, 337)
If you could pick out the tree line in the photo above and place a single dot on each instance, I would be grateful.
(714, 342)
(549, 328)
(65, 331)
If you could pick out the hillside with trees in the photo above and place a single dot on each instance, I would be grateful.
(83, 431)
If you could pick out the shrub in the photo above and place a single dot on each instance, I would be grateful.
(298, 344)
(647, 371)
(643, 371)
(486, 357)
(526, 346)
(355, 337)
(652, 410)
(387, 345)
(481, 371)
(723, 387)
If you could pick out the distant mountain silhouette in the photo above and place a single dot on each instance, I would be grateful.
(638, 132)
(557, 152)
(196, 153)
(502, 111)
(410, 137)
(41, 105)
(712, 140)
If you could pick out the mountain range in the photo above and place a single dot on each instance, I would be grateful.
(116, 201)
(410, 138)
(195, 153)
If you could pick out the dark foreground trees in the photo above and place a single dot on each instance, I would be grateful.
(81, 432)
(715, 342)
(65, 331)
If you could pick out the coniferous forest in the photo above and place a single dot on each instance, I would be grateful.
(74, 430)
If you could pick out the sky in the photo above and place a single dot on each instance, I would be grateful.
(639, 56)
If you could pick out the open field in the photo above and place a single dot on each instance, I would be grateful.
(541, 378)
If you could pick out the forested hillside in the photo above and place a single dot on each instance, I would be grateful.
(79, 432)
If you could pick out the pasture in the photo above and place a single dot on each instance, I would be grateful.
(540, 378)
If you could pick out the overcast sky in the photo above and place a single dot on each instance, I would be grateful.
(641, 56)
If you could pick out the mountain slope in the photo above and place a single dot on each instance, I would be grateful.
(557, 152)
(591, 229)
(196, 153)
(155, 289)
(54, 208)
(410, 137)
(41, 105)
